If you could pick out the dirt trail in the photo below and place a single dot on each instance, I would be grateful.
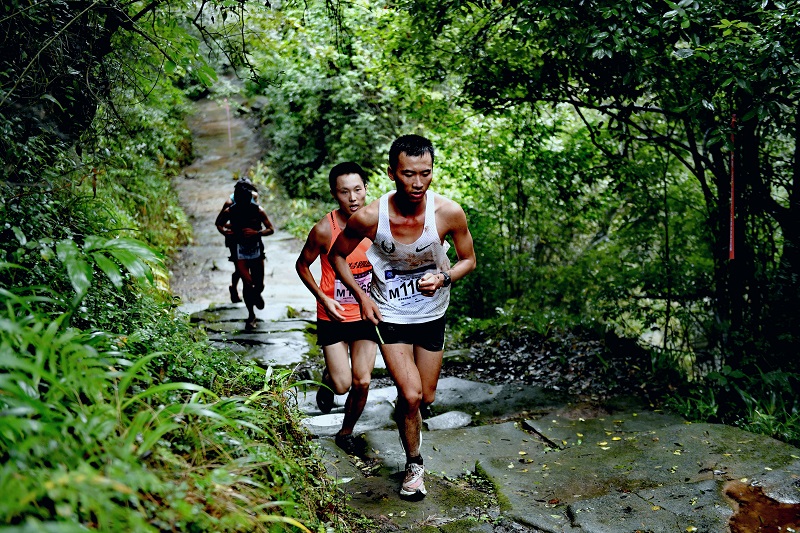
(226, 146)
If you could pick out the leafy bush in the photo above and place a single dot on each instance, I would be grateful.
(762, 402)
(92, 435)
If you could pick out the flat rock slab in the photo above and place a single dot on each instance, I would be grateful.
(629, 471)
(237, 313)
(278, 349)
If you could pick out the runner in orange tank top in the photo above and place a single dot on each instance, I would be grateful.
(348, 342)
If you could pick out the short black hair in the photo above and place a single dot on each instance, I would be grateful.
(245, 183)
(348, 167)
(412, 146)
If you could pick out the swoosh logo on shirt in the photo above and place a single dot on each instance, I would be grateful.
(420, 249)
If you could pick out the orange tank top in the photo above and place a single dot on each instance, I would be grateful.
(333, 287)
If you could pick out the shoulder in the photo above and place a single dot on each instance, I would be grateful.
(367, 216)
(449, 214)
(363, 223)
(445, 207)
(321, 232)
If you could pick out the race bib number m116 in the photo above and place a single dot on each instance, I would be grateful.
(401, 285)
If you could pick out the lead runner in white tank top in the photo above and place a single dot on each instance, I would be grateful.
(397, 267)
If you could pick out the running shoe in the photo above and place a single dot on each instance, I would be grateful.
(259, 302)
(351, 444)
(325, 397)
(234, 294)
(413, 486)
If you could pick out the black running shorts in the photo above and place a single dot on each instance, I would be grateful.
(332, 332)
(428, 335)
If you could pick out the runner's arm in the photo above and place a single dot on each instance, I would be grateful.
(455, 220)
(223, 221)
(315, 245)
(268, 227)
(465, 249)
(358, 227)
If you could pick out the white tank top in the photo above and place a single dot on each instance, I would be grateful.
(397, 267)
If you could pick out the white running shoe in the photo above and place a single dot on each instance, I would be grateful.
(414, 484)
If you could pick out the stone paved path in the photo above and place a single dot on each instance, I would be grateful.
(547, 463)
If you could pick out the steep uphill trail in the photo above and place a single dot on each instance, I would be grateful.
(226, 147)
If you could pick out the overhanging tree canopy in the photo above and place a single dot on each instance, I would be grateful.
(672, 76)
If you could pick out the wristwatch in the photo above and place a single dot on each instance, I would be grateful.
(447, 281)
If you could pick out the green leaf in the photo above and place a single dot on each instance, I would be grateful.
(109, 268)
(206, 75)
(137, 268)
(78, 270)
(19, 235)
(169, 67)
(164, 387)
(134, 246)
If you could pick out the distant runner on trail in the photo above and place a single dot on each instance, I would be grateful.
(410, 288)
(246, 222)
(230, 240)
(339, 325)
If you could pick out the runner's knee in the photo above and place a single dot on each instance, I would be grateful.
(341, 384)
(428, 397)
(361, 382)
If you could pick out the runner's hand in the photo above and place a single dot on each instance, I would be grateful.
(333, 308)
(428, 284)
(370, 311)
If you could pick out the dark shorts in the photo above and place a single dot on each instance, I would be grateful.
(428, 335)
(330, 332)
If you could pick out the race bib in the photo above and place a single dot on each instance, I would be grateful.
(343, 295)
(401, 285)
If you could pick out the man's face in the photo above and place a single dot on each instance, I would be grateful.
(350, 192)
(412, 176)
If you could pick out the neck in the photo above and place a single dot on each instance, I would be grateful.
(344, 214)
(406, 208)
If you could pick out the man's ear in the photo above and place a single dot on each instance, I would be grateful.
(390, 173)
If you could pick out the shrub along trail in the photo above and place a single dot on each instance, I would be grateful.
(512, 445)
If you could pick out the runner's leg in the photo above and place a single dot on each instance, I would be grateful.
(429, 365)
(400, 363)
(242, 266)
(338, 365)
(362, 361)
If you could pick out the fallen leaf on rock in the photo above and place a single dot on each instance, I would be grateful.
(553, 501)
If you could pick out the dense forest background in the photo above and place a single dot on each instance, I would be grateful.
(627, 169)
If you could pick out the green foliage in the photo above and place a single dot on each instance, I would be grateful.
(762, 402)
(91, 435)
